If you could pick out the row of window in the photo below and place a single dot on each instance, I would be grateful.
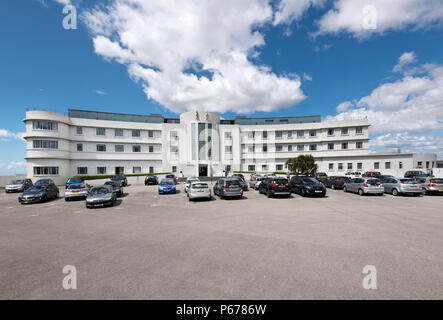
(350, 166)
(117, 148)
(45, 171)
(103, 170)
(265, 167)
(120, 132)
(45, 125)
(45, 144)
(299, 147)
(300, 133)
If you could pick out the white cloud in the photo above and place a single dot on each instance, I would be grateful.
(409, 143)
(194, 54)
(307, 77)
(6, 135)
(347, 16)
(16, 164)
(404, 60)
(290, 10)
(100, 92)
(322, 47)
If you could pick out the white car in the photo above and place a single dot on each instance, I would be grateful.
(198, 190)
(76, 191)
(353, 174)
(189, 180)
(255, 182)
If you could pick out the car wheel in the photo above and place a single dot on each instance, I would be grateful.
(360, 192)
(268, 194)
(424, 191)
(66, 199)
(333, 187)
(394, 192)
(344, 189)
(417, 194)
(303, 192)
(45, 198)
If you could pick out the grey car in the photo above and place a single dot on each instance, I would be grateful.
(199, 190)
(228, 187)
(77, 191)
(432, 185)
(116, 187)
(364, 186)
(100, 197)
(189, 181)
(18, 185)
(398, 186)
(254, 183)
(39, 193)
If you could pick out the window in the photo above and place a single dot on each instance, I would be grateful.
(349, 166)
(359, 145)
(79, 147)
(265, 134)
(136, 170)
(331, 166)
(290, 148)
(45, 125)
(119, 148)
(289, 134)
(300, 147)
(45, 144)
(151, 169)
(228, 135)
(330, 132)
(251, 134)
(228, 148)
(265, 148)
(79, 130)
(251, 148)
(279, 167)
(118, 132)
(46, 171)
(265, 167)
(420, 164)
(340, 166)
(174, 149)
(387, 165)
(136, 133)
(279, 148)
(174, 135)
(151, 148)
(101, 148)
(101, 170)
(400, 165)
(344, 131)
(312, 133)
(312, 147)
(330, 146)
(300, 134)
(359, 130)
(427, 164)
(82, 170)
(150, 134)
(376, 165)
(359, 166)
(174, 169)
(278, 134)
(251, 167)
(136, 148)
(100, 131)
(344, 145)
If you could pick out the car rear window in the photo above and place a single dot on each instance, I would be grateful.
(199, 186)
(373, 181)
(232, 183)
(439, 181)
(408, 181)
(280, 181)
(76, 186)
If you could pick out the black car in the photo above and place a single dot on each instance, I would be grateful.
(305, 186)
(275, 186)
(116, 187)
(171, 176)
(151, 180)
(414, 174)
(39, 193)
(121, 178)
(335, 182)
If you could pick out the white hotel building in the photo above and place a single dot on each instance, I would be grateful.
(199, 144)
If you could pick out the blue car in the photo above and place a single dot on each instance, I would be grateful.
(72, 181)
(167, 186)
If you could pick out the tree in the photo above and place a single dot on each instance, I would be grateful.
(304, 164)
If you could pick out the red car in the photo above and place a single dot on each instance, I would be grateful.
(371, 174)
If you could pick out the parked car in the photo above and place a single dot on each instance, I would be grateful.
(275, 186)
(321, 175)
(228, 187)
(384, 177)
(305, 186)
(255, 182)
(18, 185)
(336, 182)
(198, 190)
(171, 176)
(432, 186)
(100, 197)
(44, 182)
(415, 174)
(353, 174)
(364, 186)
(116, 187)
(371, 174)
(39, 193)
(73, 180)
(121, 178)
(77, 191)
(242, 182)
(151, 180)
(188, 182)
(167, 186)
(239, 175)
(398, 186)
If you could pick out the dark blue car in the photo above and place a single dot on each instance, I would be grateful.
(72, 181)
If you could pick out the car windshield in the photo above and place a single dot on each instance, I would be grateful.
(322, 174)
(99, 190)
(166, 182)
(74, 180)
(36, 188)
(76, 186)
(309, 180)
(419, 173)
(17, 181)
(199, 186)
(43, 182)
(258, 179)
(438, 181)
(110, 183)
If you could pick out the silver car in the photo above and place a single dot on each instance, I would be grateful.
(255, 182)
(432, 185)
(398, 186)
(188, 182)
(18, 185)
(77, 191)
(228, 187)
(364, 186)
(198, 190)
(100, 197)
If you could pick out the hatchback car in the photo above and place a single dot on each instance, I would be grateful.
(244, 185)
(121, 178)
(77, 191)
(254, 183)
(188, 182)
(228, 187)
(39, 193)
(239, 175)
(398, 186)
(275, 186)
(18, 185)
(44, 182)
(151, 180)
(371, 174)
(415, 174)
(167, 186)
(73, 180)
(199, 190)
(364, 186)
(432, 186)
(336, 182)
(171, 176)
(100, 197)
(353, 174)
(116, 187)
(307, 186)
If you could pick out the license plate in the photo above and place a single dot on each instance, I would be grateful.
(376, 186)
(413, 187)
(234, 188)
(200, 191)
(282, 186)
(75, 191)
(440, 190)
(318, 191)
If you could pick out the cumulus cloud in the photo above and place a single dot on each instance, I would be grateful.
(349, 16)
(15, 165)
(404, 60)
(194, 54)
(6, 135)
(290, 10)
(100, 92)
(407, 142)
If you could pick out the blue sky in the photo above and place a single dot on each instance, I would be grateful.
(305, 54)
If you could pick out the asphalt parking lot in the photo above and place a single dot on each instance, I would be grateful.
(163, 247)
